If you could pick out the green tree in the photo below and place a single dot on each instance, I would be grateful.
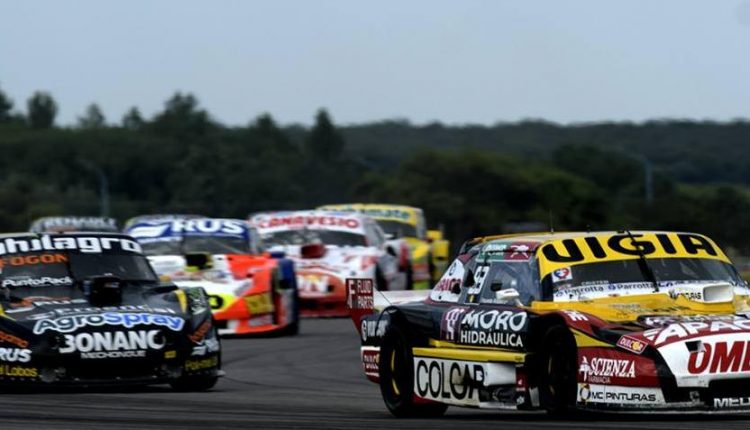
(6, 105)
(182, 117)
(93, 118)
(42, 110)
(324, 141)
(132, 120)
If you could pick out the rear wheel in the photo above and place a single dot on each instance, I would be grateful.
(558, 373)
(397, 378)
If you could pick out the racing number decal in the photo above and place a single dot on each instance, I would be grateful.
(216, 302)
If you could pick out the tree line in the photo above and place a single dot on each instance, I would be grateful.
(471, 180)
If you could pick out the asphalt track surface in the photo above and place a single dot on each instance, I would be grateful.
(312, 380)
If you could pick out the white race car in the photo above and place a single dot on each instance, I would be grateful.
(327, 248)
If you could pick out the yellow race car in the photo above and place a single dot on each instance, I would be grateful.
(427, 255)
(599, 321)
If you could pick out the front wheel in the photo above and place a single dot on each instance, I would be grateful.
(558, 373)
(397, 378)
(194, 383)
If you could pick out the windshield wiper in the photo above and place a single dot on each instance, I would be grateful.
(646, 269)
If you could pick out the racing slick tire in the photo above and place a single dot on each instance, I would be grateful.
(558, 372)
(293, 328)
(194, 383)
(397, 378)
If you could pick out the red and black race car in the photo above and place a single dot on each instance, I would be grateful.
(612, 321)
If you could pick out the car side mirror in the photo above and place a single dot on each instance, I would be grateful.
(391, 251)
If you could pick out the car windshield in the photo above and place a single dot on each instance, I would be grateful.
(521, 275)
(397, 229)
(623, 276)
(196, 244)
(54, 269)
(305, 236)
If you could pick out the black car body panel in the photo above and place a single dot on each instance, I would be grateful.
(87, 309)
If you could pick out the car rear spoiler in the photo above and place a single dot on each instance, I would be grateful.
(362, 298)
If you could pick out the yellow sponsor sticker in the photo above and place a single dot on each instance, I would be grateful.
(259, 304)
(18, 371)
(206, 363)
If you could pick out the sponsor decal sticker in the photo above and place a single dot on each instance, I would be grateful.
(69, 324)
(86, 245)
(618, 395)
(602, 370)
(359, 293)
(15, 355)
(373, 329)
(30, 260)
(450, 323)
(202, 364)
(440, 380)
(500, 328)
(679, 331)
(371, 361)
(37, 282)
(731, 402)
(313, 283)
(117, 344)
(563, 274)
(576, 316)
(299, 221)
(200, 333)
(18, 371)
(13, 339)
(720, 357)
(206, 346)
(631, 344)
(259, 304)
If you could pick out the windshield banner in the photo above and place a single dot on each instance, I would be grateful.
(308, 220)
(83, 244)
(173, 230)
(563, 253)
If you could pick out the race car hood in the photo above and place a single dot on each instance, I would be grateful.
(228, 277)
(35, 309)
(681, 300)
(33, 327)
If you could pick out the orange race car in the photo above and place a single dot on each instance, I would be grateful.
(249, 291)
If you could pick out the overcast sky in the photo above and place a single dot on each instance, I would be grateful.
(458, 61)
